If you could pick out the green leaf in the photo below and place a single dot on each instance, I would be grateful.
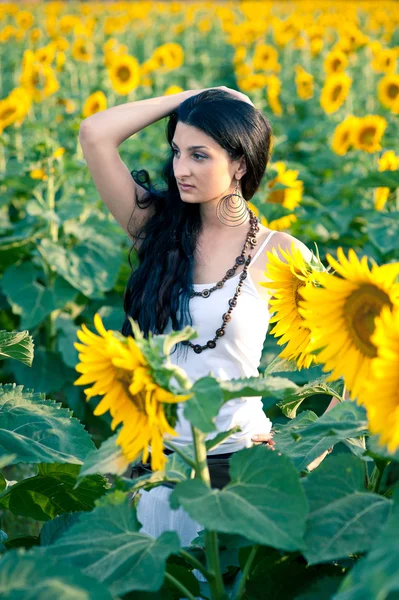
(343, 517)
(202, 408)
(344, 420)
(47, 373)
(66, 338)
(377, 574)
(257, 386)
(106, 545)
(383, 231)
(26, 575)
(291, 402)
(36, 429)
(108, 458)
(301, 451)
(17, 345)
(379, 179)
(31, 299)
(264, 499)
(90, 267)
(53, 492)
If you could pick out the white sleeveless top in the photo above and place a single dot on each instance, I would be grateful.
(237, 354)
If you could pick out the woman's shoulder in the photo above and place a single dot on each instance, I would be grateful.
(285, 241)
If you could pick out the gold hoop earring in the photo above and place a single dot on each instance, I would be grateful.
(230, 211)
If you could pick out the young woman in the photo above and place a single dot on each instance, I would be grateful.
(194, 239)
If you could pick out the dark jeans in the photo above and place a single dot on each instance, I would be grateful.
(218, 470)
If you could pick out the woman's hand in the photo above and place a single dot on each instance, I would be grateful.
(234, 93)
(267, 439)
(264, 438)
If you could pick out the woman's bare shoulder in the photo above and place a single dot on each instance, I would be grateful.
(285, 241)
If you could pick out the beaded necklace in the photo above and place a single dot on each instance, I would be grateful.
(240, 260)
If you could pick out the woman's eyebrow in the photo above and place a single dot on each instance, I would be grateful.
(190, 147)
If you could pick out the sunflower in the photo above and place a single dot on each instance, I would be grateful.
(281, 224)
(380, 395)
(342, 136)
(96, 102)
(273, 91)
(39, 79)
(266, 58)
(385, 60)
(169, 56)
(83, 50)
(388, 92)
(124, 73)
(389, 161)
(287, 280)
(336, 61)
(304, 83)
(368, 133)
(290, 196)
(334, 92)
(341, 313)
(118, 371)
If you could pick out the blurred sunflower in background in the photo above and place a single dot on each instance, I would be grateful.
(335, 92)
(368, 133)
(289, 196)
(389, 161)
(340, 314)
(342, 138)
(119, 372)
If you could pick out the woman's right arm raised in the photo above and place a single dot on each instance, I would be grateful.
(102, 133)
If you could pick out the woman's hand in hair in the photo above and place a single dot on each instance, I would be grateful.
(234, 93)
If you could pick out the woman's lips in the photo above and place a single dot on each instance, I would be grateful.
(186, 187)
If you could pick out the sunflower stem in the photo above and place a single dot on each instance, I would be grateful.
(195, 563)
(245, 572)
(179, 586)
(181, 453)
(211, 539)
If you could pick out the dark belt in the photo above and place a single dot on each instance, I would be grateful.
(218, 465)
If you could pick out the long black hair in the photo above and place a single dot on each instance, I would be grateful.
(169, 237)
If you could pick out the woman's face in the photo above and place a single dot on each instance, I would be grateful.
(207, 168)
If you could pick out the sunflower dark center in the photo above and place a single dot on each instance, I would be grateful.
(360, 310)
(123, 73)
(393, 90)
(367, 135)
(336, 92)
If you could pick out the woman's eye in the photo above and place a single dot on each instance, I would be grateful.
(195, 154)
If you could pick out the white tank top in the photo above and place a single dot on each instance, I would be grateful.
(237, 354)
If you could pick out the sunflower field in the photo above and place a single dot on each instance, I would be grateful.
(80, 404)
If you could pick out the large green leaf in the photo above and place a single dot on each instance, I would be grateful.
(53, 492)
(277, 387)
(343, 517)
(47, 374)
(377, 574)
(89, 267)
(30, 298)
(65, 340)
(379, 179)
(106, 544)
(36, 429)
(383, 230)
(109, 458)
(26, 575)
(264, 499)
(307, 436)
(344, 420)
(202, 408)
(17, 345)
(291, 402)
(301, 451)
